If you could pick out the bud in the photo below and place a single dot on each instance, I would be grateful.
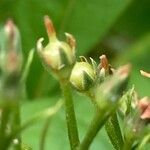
(104, 63)
(83, 75)
(144, 106)
(109, 91)
(128, 102)
(136, 118)
(133, 128)
(11, 60)
(135, 123)
(57, 56)
(10, 49)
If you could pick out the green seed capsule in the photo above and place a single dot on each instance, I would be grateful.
(57, 56)
(82, 76)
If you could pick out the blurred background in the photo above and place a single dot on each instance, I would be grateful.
(118, 28)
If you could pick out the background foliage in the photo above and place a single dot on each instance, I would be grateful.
(118, 28)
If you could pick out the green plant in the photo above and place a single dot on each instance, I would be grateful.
(125, 117)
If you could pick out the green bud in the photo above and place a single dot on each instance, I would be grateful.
(11, 60)
(136, 123)
(132, 128)
(108, 93)
(83, 76)
(128, 102)
(10, 49)
(57, 56)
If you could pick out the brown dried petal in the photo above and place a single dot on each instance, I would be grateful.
(124, 71)
(146, 74)
(146, 113)
(144, 105)
(104, 62)
(49, 27)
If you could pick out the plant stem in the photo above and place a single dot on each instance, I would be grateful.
(16, 124)
(10, 121)
(70, 115)
(128, 144)
(5, 112)
(114, 132)
(96, 124)
(44, 133)
(143, 142)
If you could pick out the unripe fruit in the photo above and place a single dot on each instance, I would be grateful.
(82, 76)
(57, 56)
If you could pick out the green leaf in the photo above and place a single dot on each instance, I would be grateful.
(138, 55)
(57, 135)
(135, 21)
(90, 20)
(114, 132)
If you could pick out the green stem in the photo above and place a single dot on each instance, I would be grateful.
(96, 124)
(128, 144)
(27, 66)
(4, 122)
(70, 115)
(44, 133)
(114, 132)
(38, 117)
(16, 124)
(143, 142)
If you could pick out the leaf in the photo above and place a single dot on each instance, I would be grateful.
(138, 55)
(114, 132)
(57, 135)
(135, 21)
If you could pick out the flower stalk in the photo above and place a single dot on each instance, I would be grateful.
(70, 115)
(97, 122)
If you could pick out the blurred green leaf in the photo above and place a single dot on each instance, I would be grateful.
(57, 134)
(132, 24)
(135, 21)
(138, 55)
(90, 20)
